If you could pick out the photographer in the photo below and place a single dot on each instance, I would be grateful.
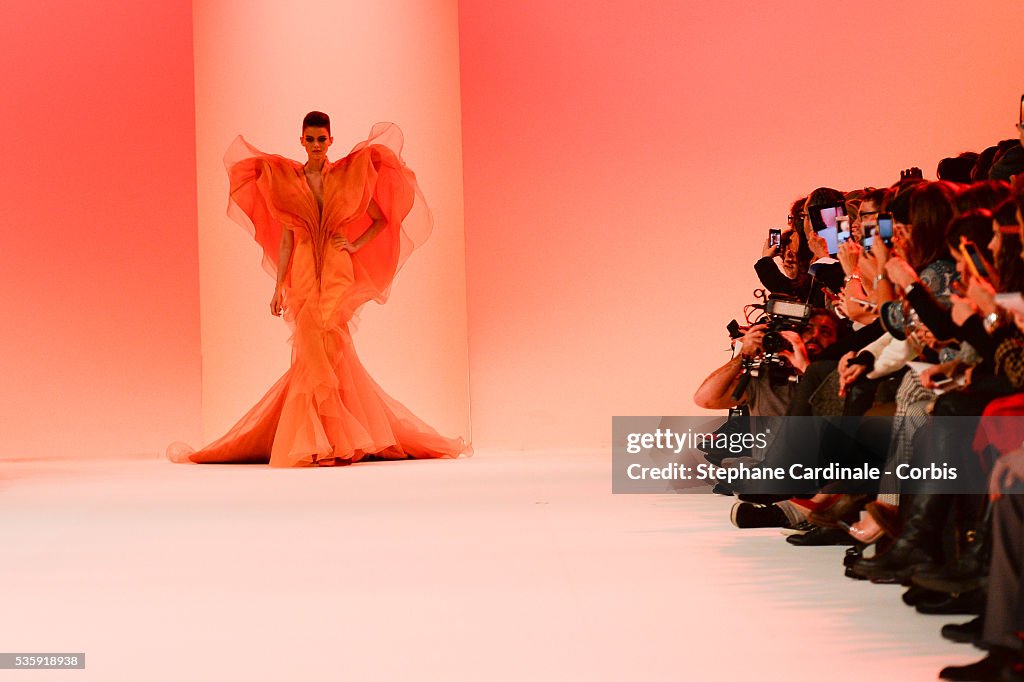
(769, 393)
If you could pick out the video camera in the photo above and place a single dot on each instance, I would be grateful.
(780, 313)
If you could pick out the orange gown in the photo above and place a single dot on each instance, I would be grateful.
(326, 406)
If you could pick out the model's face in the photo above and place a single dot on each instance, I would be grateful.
(316, 141)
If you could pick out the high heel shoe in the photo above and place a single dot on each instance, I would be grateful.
(862, 531)
(886, 516)
(846, 508)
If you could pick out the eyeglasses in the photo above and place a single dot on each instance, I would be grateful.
(866, 213)
(799, 217)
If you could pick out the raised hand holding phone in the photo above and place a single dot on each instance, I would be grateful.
(982, 294)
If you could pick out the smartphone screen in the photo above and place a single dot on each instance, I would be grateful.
(866, 242)
(828, 216)
(972, 256)
(774, 237)
(831, 237)
(843, 229)
(884, 229)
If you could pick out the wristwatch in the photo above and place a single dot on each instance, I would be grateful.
(991, 321)
(878, 278)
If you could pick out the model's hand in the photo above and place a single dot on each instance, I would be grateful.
(769, 249)
(277, 302)
(341, 242)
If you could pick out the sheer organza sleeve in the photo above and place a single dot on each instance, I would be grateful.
(251, 176)
(377, 164)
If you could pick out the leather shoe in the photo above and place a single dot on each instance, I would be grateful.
(999, 660)
(967, 604)
(821, 537)
(965, 633)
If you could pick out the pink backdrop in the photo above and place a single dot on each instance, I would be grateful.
(624, 162)
(100, 341)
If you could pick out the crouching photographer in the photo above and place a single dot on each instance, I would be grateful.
(762, 377)
(772, 354)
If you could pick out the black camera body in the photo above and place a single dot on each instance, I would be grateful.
(783, 313)
(780, 313)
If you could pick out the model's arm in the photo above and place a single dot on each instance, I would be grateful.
(284, 261)
(373, 210)
(378, 224)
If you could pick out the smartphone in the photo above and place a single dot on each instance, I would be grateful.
(843, 233)
(941, 379)
(884, 228)
(973, 258)
(831, 215)
(774, 237)
(866, 243)
(827, 226)
(868, 305)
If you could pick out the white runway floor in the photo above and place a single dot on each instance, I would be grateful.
(504, 566)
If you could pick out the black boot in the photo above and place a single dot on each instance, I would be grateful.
(919, 546)
(965, 633)
(999, 661)
(970, 570)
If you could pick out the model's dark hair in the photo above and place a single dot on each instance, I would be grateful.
(317, 119)
(931, 210)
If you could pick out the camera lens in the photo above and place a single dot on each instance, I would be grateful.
(774, 342)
